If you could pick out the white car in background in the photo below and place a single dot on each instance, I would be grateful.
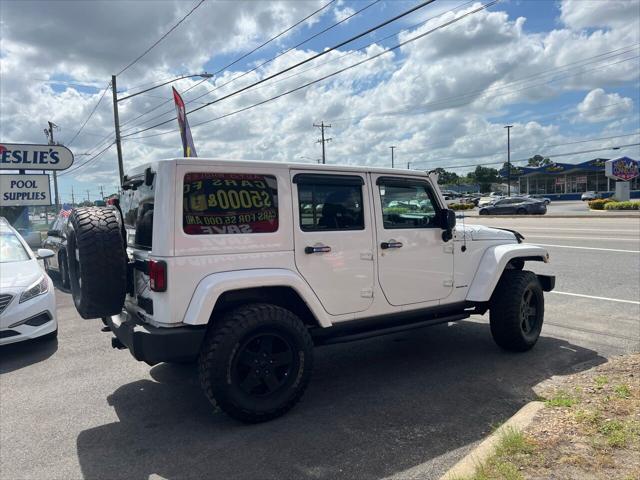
(27, 298)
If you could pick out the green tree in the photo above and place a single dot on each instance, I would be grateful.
(538, 161)
(484, 176)
(446, 178)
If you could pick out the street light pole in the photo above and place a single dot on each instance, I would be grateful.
(508, 127)
(116, 117)
(392, 147)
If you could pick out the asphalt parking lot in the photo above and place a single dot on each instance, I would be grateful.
(403, 406)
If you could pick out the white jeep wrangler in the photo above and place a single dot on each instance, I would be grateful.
(245, 266)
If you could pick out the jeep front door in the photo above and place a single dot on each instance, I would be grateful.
(415, 263)
(334, 238)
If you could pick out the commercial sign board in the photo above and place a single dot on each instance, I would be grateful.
(24, 190)
(623, 168)
(14, 156)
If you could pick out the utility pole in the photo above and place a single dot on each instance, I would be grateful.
(88, 199)
(392, 147)
(322, 126)
(508, 127)
(49, 133)
(73, 198)
(116, 121)
(101, 192)
(408, 165)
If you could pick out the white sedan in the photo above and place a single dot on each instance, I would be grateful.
(27, 298)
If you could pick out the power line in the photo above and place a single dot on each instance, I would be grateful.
(415, 152)
(613, 147)
(88, 161)
(90, 115)
(287, 50)
(483, 92)
(307, 60)
(130, 64)
(275, 37)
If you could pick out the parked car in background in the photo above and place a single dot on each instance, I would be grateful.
(542, 198)
(486, 200)
(27, 298)
(56, 241)
(514, 205)
(586, 196)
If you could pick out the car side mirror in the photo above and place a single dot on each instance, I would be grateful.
(45, 253)
(53, 233)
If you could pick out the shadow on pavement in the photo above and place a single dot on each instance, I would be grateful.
(374, 409)
(22, 354)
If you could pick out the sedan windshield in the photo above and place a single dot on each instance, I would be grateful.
(11, 249)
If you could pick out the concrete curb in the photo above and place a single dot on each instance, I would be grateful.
(467, 466)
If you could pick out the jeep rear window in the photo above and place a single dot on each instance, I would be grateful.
(228, 203)
(136, 202)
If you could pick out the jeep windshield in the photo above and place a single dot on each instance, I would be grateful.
(136, 202)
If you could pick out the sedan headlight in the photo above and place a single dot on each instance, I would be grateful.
(38, 288)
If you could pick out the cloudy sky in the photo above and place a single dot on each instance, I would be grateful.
(561, 72)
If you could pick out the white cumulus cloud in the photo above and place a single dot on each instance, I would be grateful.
(599, 106)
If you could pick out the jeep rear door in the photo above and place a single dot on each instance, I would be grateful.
(333, 238)
(415, 264)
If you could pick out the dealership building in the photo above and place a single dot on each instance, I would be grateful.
(567, 181)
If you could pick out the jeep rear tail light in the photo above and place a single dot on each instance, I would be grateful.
(157, 275)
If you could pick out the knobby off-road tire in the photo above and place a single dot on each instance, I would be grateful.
(517, 310)
(97, 262)
(64, 270)
(256, 362)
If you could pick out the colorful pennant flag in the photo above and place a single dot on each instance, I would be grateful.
(188, 147)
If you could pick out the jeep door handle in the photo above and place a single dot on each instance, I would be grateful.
(385, 245)
(317, 249)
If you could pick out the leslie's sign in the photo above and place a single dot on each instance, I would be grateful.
(15, 156)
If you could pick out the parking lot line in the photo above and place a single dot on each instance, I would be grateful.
(608, 230)
(609, 239)
(587, 248)
(633, 302)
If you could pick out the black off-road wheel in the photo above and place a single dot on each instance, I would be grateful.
(256, 362)
(517, 310)
(96, 261)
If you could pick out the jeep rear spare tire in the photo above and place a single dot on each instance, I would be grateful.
(256, 362)
(517, 310)
(97, 262)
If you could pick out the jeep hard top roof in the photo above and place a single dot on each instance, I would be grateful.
(276, 165)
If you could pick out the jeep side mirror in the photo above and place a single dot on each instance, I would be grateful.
(53, 233)
(447, 219)
(447, 223)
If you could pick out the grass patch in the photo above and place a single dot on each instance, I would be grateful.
(561, 399)
(513, 442)
(513, 449)
(622, 391)
(614, 432)
(601, 381)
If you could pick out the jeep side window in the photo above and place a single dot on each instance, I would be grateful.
(407, 204)
(228, 203)
(327, 205)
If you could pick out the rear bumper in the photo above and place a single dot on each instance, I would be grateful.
(154, 345)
